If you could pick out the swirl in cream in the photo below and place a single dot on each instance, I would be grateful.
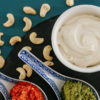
(79, 40)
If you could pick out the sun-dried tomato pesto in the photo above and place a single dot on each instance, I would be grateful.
(25, 91)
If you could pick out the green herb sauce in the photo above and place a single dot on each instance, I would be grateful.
(77, 91)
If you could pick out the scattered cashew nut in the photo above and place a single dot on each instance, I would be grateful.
(27, 47)
(29, 10)
(46, 53)
(22, 72)
(49, 63)
(28, 24)
(2, 62)
(33, 38)
(10, 21)
(14, 40)
(45, 8)
(1, 42)
(70, 2)
(28, 69)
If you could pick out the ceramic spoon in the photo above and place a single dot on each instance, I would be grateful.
(53, 78)
(7, 83)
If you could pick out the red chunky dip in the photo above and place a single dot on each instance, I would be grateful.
(25, 91)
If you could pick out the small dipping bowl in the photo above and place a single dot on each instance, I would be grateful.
(74, 11)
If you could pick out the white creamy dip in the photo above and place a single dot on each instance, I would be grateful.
(79, 40)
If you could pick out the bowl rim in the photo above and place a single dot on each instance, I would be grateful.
(56, 50)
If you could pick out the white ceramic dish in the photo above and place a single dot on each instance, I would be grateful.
(81, 9)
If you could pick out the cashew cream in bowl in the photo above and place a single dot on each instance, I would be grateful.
(79, 40)
(76, 38)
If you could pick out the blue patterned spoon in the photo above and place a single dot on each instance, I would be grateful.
(53, 78)
(7, 83)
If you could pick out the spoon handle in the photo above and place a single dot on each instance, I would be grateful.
(31, 58)
(32, 61)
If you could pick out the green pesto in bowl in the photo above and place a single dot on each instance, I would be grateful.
(76, 91)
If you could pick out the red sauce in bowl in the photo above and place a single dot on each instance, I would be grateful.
(25, 91)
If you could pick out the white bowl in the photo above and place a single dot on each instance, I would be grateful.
(81, 9)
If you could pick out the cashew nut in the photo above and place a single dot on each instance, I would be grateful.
(10, 21)
(70, 2)
(14, 40)
(28, 69)
(22, 72)
(28, 24)
(27, 47)
(46, 53)
(2, 62)
(49, 63)
(45, 8)
(29, 10)
(1, 42)
(33, 38)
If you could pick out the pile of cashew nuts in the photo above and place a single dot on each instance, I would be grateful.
(28, 24)
(26, 71)
(45, 8)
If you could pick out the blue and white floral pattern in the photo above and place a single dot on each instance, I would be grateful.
(38, 66)
(8, 79)
(4, 92)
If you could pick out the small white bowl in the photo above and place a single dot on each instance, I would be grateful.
(81, 9)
